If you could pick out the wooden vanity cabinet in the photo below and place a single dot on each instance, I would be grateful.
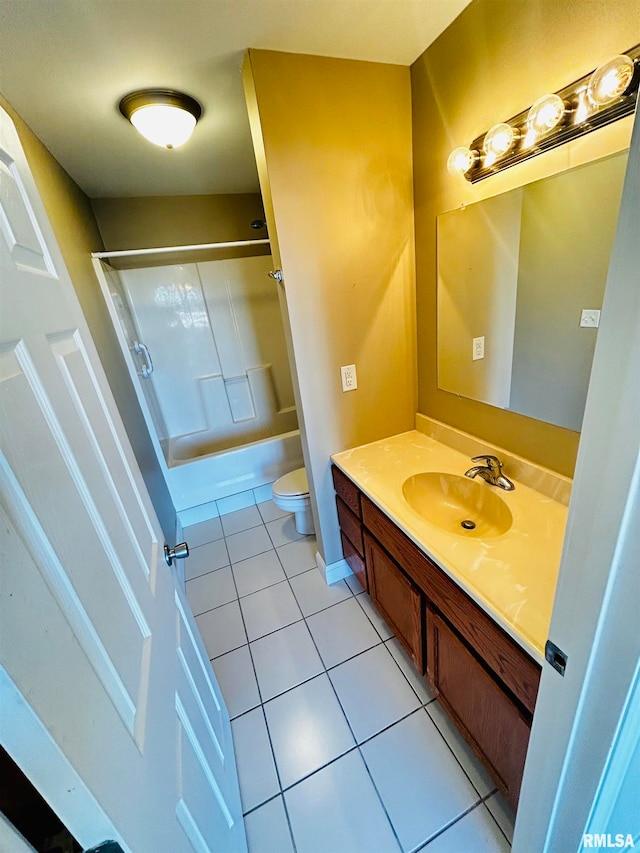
(350, 519)
(397, 598)
(487, 683)
(493, 724)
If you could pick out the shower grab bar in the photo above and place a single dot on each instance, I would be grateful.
(142, 349)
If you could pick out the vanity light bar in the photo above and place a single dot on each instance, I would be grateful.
(599, 98)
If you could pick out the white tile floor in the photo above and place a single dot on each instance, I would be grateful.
(339, 743)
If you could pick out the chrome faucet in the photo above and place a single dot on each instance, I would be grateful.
(491, 472)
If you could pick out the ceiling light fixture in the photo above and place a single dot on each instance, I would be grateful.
(595, 100)
(164, 117)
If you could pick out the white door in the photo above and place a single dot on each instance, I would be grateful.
(108, 701)
(582, 725)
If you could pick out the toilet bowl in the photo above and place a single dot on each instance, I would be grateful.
(291, 493)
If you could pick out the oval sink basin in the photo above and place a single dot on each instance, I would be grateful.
(458, 504)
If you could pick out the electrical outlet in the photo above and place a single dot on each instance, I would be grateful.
(478, 348)
(349, 378)
(590, 318)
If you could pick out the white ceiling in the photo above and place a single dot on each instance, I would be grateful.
(65, 64)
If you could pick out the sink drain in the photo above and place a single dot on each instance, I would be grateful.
(468, 524)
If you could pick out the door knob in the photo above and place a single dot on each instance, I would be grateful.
(277, 274)
(180, 552)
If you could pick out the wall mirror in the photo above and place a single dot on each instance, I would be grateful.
(520, 276)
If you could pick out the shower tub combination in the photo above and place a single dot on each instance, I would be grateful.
(205, 348)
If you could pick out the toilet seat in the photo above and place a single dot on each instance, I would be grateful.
(292, 485)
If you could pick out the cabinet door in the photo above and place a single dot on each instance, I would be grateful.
(355, 562)
(517, 671)
(488, 718)
(397, 599)
(351, 526)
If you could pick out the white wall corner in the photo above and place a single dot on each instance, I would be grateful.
(333, 572)
(179, 528)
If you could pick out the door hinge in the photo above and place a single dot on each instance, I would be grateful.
(556, 657)
(277, 274)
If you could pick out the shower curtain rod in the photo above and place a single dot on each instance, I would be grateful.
(123, 253)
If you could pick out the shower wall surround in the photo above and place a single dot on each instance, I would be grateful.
(214, 331)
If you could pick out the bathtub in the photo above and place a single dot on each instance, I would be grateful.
(199, 468)
(198, 473)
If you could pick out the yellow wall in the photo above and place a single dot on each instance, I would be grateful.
(76, 232)
(333, 144)
(140, 223)
(493, 61)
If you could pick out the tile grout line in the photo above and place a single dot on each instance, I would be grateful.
(327, 670)
(424, 846)
(393, 637)
(251, 526)
(495, 820)
(275, 547)
(423, 706)
(452, 752)
(204, 545)
(356, 596)
(357, 746)
(264, 717)
(311, 677)
(231, 563)
(256, 591)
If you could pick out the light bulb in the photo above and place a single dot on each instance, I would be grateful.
(461, 160)
(497, 141)
(164, 125)
(610, 80)
(546, 113)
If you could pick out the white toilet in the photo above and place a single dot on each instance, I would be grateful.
(291, 493)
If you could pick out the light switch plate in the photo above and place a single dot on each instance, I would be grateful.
(590, 318)
(349, 377)
(478, 348)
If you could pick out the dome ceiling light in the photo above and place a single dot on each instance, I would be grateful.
(164, 117)
(595, 100)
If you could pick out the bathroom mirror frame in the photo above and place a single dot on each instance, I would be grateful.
(502, 264)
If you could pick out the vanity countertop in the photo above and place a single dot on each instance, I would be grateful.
(512, 576)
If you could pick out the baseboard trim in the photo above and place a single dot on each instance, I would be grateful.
(333, 572)
(196, 514)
